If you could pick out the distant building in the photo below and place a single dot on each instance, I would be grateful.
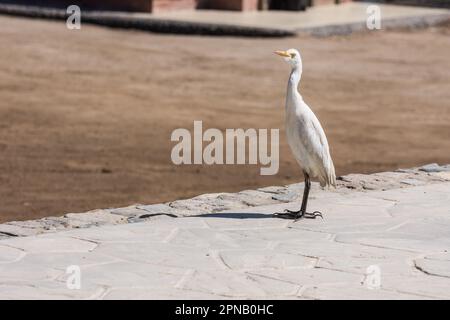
(170, 5)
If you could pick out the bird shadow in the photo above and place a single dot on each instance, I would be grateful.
(237, 215)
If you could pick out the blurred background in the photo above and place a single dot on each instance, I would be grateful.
(86, 115)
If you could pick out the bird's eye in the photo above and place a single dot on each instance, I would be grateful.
(292, 55)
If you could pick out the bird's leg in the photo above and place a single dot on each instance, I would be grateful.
(292, 214)
(303, 213)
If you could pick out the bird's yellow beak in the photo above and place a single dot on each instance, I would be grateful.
(282, 53)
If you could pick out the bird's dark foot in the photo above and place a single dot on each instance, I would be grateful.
(288, 214)
(296, 215)
(312, 215)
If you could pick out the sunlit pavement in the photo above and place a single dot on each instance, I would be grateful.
(314, 17)
(379, 245)
(321, 20)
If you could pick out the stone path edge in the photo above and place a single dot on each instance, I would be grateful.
(159, 25)
(417, 22)
(122, 20)
(218, 202)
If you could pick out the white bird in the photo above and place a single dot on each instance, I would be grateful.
(306, 137)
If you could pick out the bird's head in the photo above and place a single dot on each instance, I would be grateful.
(292, 57)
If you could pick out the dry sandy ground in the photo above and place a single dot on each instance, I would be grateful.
(86, 116)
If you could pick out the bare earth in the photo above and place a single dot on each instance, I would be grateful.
(86, 116)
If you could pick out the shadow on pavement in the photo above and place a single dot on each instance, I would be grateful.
(232, 215)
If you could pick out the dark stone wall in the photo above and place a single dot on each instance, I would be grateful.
(143, 5)
(112, 5)
(128, 5)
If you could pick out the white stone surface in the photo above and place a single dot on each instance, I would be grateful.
(328, 15)
(247, 253)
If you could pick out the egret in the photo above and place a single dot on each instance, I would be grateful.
(305, 137)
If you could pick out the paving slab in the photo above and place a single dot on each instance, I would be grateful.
(389, 244)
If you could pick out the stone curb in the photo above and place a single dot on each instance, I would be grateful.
(418, 22)
(126, 20)
(218, 202)
(129, 21)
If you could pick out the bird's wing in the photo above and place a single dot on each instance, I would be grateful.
(320, 152)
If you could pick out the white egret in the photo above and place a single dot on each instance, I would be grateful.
(306, 138)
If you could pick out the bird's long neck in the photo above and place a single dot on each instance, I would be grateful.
(294, 80)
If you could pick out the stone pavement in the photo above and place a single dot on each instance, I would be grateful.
(219, 202)
(377, 244)
(352, 15)
(321, 20)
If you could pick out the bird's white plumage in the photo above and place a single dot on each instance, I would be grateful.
(305, 134)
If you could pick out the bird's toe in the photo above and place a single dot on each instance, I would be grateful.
(312, 215)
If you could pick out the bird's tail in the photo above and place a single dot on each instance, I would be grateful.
(332, 175)
(329, 176)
